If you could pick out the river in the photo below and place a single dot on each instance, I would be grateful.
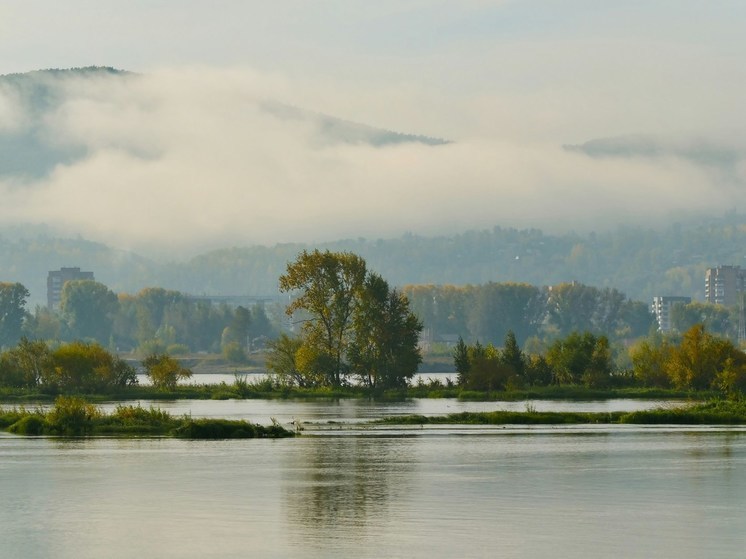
(345, 489)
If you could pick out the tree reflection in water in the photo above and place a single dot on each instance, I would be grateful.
(345, 484)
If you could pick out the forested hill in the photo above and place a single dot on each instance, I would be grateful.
(639, 262)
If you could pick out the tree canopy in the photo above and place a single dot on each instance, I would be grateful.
(12, 312)
(353, 324)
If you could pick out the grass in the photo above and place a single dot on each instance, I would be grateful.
(74, 417)
(713, 412)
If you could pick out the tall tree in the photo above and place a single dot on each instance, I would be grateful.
(461, 361)
(512, 356)
(580, 358)
(497, 308)
(12, 312)
(89, 308)
(354, 322)
(329, 286)
(383, 351)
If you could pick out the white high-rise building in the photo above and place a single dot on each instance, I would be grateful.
(661, 308)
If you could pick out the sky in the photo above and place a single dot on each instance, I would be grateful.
(184, 159)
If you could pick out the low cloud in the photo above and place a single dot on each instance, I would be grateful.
(183, 160)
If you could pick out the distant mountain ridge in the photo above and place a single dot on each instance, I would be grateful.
(639, 262)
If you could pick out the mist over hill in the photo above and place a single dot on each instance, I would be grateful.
(725, 156)
(29, 149)
(184, 161)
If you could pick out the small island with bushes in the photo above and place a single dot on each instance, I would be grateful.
(74, 417)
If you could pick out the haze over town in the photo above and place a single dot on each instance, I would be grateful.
(184, 154)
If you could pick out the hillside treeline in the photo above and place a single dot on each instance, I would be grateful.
(696, 360)
(640, 262)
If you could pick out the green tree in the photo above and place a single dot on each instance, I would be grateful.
(461, 361)
(32, 359)
(650, 360)
(383, 351)
(487, 371)
(260, 325)
(164, 371)
(512, 357)
(571, 307)
(12, 312)
(89, 308)
(353, 322)
(731, 378)
(496, 308)
(714, 318)
(538, 371)
(698, 359)
(637, 319)
(282, 361)
(44, 325)
(240, 327)
(234, 352)
(580, 359)
(329, 286)
(85, 367)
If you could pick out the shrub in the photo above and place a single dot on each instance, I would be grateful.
(177, 349)
(216, 429)
(234, 352)
(138, 414)
(30, 425)
(72, 416)
(164, 371)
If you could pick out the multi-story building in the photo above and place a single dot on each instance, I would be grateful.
(724, 284)
(661, 308)
(56, 280)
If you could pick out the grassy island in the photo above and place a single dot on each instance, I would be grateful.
(714, 412)
(74, 417)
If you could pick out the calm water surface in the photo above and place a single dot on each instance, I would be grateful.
(597, 491)
(363, 410)
(230, 378)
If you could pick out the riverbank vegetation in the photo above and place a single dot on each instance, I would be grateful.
(713, 412)
(75, 417)
(698, 361)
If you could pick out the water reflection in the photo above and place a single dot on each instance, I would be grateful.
(229, 378)
(596, 492)
(341, 487)
(363, 410)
